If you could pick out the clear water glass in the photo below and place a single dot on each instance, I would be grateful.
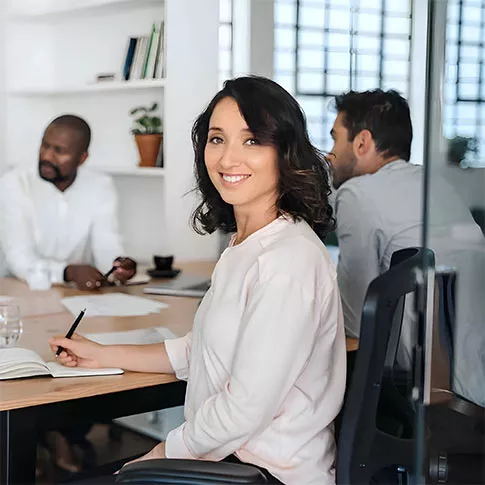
(10, 325)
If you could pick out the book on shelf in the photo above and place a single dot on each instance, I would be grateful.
(144, 57)
(18, 362)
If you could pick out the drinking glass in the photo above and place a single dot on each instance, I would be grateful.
(10, 325)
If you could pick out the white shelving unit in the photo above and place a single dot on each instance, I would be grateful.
(100, 87)
(54, 49)
(47, 10)
(133, 172)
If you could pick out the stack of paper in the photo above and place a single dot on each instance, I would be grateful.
(112, 305)
(142, 336)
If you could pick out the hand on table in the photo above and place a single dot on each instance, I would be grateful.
(125, 269)
(78, 351)
(85, 276)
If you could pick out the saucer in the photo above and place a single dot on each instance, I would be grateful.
(163, 273)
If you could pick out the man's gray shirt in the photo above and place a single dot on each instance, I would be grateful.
(380, 213)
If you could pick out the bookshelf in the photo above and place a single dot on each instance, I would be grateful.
(100, 87)
(132, 172)
(54, 49)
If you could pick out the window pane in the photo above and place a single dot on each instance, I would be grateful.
(398, 6)
(311, 38)
(401, 87)
(312, 106)
(286, 80)
(468, 91)
(337, 83)
(393, 25)
(310, 58)
(339, 19)
(284, 61)
(367, 22)
(225, 10)
(396, 68)
(312, 17)
(362, 83)
(470, 34)
(471, 13)
(367, 43)
(367, 64)
(225, 34)
(468, 71)
(337, 41)
(394, 47)
(338, 61)
(285, 13)
(341, 41)
(310, 82)
(284, 38)
(225, 60)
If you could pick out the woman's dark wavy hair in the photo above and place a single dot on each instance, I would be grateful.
(275, 118)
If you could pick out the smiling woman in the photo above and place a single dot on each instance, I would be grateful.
(252, 152)
(265, 360)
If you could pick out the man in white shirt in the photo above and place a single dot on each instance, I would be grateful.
(379, 210)
(61, 217)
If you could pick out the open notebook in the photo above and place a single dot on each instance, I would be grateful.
(17, 362)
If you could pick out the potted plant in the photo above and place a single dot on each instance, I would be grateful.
(459, 147)
(147, 129)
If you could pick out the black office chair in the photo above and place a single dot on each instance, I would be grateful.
(465, 466)
(365, 448)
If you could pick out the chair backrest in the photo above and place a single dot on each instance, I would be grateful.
(368, 443)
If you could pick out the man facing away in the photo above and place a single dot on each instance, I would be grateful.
(61, 216)
(379, 211)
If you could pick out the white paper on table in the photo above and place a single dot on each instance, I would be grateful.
(112, 305)
(140, 336)
(138, 279)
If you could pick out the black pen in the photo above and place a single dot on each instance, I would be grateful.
(72, 329)
(106, 276)
(113, 268)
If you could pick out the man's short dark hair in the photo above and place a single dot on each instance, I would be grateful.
(78, 125)
(384, 113)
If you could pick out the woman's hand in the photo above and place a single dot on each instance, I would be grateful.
(79, 351)
(156, 453)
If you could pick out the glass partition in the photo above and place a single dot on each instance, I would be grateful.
(451, 438)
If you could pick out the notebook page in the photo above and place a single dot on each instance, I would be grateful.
(112, 305)
(59, 370)
(18, 362)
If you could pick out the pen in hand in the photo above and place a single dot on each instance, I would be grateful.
(107, 275)
(113, 268)
(72, 330)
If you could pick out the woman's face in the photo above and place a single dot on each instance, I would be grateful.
(244, 172)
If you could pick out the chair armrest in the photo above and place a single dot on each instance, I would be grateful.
(190, 472)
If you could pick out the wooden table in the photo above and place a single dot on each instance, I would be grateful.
(28, 406)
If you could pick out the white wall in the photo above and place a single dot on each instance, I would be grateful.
(253, 37)
(69, 50)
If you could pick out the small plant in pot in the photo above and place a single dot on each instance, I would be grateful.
(147, 129)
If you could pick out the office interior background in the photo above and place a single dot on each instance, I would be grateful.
(52, 50)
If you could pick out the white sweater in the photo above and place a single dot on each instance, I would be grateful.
(266, 359)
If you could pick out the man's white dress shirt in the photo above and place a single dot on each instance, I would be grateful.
(266, 359)
(378, 214)
(41, 224)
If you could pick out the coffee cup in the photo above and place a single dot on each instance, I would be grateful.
(163, 263)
